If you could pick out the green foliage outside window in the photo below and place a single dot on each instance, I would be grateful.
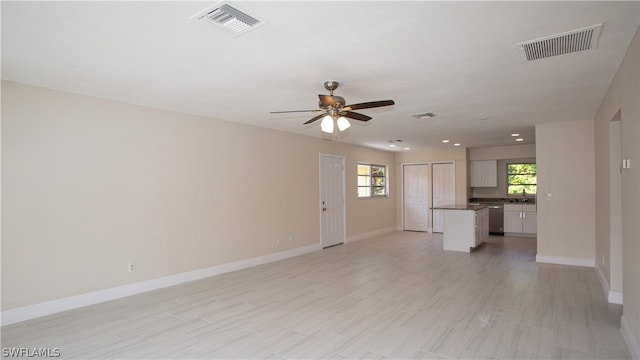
(372, 180)
(521, 179)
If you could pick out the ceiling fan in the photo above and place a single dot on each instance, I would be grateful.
(335, 111)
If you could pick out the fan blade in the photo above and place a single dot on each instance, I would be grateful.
(369, 105)
(315, 119)
(292, 111)
(355, 116)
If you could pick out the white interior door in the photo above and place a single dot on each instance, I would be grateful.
(444, 191)
(332, 205)
(416, 197)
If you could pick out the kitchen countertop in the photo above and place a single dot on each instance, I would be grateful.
(512, 200)
(460, 207)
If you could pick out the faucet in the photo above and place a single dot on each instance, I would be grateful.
(524, 196)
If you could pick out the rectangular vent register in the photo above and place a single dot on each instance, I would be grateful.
(228, 18)
(560, 44)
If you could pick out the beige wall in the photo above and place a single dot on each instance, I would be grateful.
(433, 155)
(503, 152)
(499, 191)
(623, 96)
(371, 214)
(504, 155)
(609, 201)
(565, 163)
(89, 185)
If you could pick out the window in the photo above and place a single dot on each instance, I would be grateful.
(521, 179)
(372, 180)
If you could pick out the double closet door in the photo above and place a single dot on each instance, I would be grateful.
(423, 190)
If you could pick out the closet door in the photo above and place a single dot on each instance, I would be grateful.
(416, 197)
(444, 191)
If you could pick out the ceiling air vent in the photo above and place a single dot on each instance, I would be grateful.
(228, 17)
(424, 115)
(565, 43)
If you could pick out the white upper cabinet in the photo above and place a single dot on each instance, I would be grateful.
(484, 173)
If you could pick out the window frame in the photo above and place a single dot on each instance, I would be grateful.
(371, 180)
(508, 175)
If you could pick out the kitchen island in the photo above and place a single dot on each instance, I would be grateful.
(465, 226)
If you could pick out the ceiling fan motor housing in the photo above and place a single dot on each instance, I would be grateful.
(336, 102)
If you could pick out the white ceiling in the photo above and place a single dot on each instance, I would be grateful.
(456, 59)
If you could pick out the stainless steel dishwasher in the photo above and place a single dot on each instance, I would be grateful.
(496, 219)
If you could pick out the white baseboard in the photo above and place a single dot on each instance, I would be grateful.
(401, 228)
(630, 338)
(613, 296)
(565, 261)
(370, 234)
(527, 235)
(59, 305)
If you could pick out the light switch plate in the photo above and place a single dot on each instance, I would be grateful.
(626, 164)
(549, 196)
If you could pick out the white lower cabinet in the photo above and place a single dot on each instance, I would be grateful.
(512, 220)
(520, 219)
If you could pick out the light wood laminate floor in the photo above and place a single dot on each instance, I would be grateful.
(392, 297)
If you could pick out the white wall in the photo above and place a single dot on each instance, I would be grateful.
(89, 185)
(623, 96)
(566, 170)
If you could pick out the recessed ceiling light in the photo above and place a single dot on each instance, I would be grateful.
(392, 145)
(519, 139)
(456, 144)
(407, 148)
(515, 134)
(445, 141)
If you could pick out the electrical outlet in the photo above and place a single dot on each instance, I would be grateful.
(131, 267)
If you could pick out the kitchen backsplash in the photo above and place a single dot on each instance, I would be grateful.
(514, 199)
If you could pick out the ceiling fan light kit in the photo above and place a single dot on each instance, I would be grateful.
(343, 123)
(336, 111)
(327, 124)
